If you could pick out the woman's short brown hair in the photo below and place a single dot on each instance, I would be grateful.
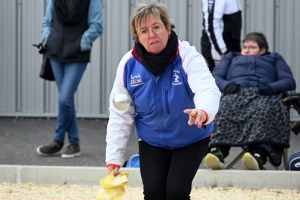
(143, 11)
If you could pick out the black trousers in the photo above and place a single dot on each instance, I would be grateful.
(168, 174)
(206, 52)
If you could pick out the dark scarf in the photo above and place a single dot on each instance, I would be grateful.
(157, 64)
(69, 12)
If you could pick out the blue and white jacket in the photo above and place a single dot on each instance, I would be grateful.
(157, 103)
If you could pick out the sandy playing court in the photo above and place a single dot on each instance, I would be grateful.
(32, 191)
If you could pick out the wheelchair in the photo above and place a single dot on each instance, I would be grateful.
(291, 100)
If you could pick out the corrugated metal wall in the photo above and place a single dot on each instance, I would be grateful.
(23, 93)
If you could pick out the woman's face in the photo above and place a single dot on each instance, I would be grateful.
(152, 34)
(251, 47)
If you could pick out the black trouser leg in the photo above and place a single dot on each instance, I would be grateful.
(168, 174)
(224, 150)
(261, 151)
(206, 52)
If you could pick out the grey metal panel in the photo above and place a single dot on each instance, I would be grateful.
(259, 16)
(287, 41)
(194, 21)
(178, 12)
(243, 4)
(31, 86)
(117, 42)
(24, 93)
(136, 2)
(287, 32)
(8, 55)
(88, 96)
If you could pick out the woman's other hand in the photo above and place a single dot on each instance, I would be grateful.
(196, 116)
(265, 90)
(113, 168)
(232, 88)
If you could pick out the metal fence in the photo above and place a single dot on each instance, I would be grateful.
(23, 93)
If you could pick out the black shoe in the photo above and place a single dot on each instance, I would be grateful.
(214, 159)
(252, 161)
(72, 151)
(50, 149)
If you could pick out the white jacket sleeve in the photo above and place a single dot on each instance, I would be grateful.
(120, 122)
(203, 85)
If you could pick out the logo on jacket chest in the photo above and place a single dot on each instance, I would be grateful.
(176, 78)
(136, 80)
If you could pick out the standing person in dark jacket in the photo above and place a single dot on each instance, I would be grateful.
(69, 29)
(173, 100)
(222, 24)
(252, 112)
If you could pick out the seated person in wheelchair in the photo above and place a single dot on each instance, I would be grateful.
(252, 113)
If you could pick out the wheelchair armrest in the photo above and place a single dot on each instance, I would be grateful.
(296, 128)
(291, 99)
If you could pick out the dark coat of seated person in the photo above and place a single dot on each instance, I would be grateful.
(251, 111)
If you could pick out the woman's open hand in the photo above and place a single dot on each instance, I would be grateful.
(196, 116)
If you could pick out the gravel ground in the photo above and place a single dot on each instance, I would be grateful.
(32, 191)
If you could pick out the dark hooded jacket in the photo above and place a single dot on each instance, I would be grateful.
(70, 21)
(268, 71)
